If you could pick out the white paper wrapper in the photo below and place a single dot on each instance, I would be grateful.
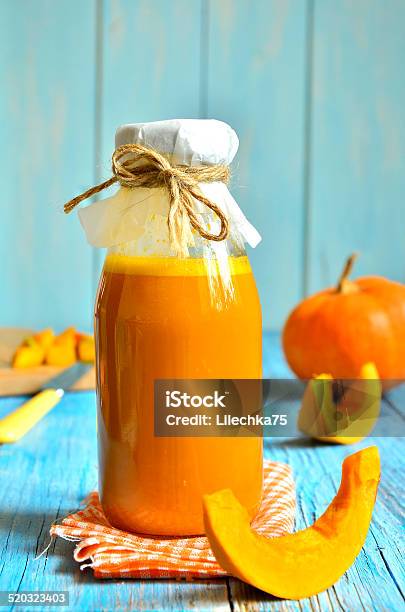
(140, 215)
(191, 142)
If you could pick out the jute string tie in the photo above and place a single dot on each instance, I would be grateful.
(145, 167)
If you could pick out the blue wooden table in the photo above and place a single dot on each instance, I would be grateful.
(52, 469)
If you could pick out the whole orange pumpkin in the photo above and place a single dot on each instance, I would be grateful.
(339, 329)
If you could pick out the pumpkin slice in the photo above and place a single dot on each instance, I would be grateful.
(339, 411)
(307, 562)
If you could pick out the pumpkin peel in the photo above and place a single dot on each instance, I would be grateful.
(307, 562)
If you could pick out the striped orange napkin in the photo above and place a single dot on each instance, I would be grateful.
(116, 554)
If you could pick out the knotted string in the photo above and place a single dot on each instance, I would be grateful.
(147, 168)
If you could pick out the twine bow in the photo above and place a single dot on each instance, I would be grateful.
(147, 168)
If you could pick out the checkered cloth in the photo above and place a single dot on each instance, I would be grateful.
(116, 554)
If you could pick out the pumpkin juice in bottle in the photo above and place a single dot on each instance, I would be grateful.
(176, 300)
(154, 321)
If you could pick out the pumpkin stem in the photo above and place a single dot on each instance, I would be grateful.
(346, 271)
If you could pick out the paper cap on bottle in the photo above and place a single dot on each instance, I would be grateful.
(191, 142)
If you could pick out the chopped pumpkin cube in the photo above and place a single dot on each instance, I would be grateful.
(61, 353)
(68, 335)
(45, 338)
(86, 349)
(28, 356)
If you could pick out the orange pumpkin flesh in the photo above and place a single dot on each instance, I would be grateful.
(28, 356)
(305, 563)
(339, 329)
(347, 418)
(45, 338)
(86, 349)
(62, 350)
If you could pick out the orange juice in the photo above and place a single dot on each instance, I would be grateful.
(155, 319)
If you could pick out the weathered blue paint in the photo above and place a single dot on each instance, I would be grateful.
(256, 82)
(51, 470)
(313, 87)
(357, 169)
(47, 152)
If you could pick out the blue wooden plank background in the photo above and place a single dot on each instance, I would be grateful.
(357, 174)
(315, 89)
(47, 64)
